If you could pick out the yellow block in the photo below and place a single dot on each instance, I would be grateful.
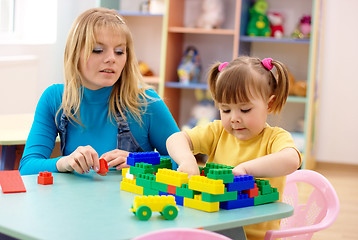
(207, 185)
(171, 177)
(124, 171)
(129, 185)
(196, 203)
(155, 203)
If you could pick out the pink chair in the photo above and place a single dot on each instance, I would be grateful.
(182, 234)
(319, 212)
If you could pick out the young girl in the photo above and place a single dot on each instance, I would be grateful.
(245, 91)
(104, 109)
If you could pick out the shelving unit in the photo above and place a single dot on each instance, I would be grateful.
(227, 43)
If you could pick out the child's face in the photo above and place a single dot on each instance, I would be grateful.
(244, 120)
(106, 61)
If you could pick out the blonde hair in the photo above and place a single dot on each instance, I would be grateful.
(246, 78)
(126, 94)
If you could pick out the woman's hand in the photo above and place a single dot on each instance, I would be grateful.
(116, 158)
(81, 161)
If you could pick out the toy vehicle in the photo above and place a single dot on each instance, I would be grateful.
(143, 206)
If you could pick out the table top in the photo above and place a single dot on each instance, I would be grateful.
(91, 206)
(15, 128)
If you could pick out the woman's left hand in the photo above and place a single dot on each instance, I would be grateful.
(116, 158)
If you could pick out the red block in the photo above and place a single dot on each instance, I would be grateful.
(103, 166)
(11, 182)
(45, 178)
(253, 192)
(171, 189)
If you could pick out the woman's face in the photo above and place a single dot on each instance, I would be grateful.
(106, 62)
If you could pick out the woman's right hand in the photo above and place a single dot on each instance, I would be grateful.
(81, 160)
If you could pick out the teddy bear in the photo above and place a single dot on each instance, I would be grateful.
(258, 23)
(276, 21)
(212, 14)
(296, 88)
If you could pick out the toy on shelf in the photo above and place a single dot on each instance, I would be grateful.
(203, 112)
(215, 188)
(212, 14)
(45, 178)
(259, 24)
(189, 69)
(296, 88)
(143, 206)
(303, 29)
(276, 24)
(144, 69)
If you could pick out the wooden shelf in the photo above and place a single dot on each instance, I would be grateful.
(186, 85)
(274, 40)
(201, 31)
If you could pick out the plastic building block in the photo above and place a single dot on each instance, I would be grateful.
(124, 171)
(224, 174)
(253, 192)
(171, 189)
(143, 206)
(141, 168)
(45, 178)
(11, 182)
(242, 200)
(264, 186)
(172, 177)
(145, 180)
(184, 191)
(226, 196)
(145, 157)
(149, 191)
(196, 203)
(242, 182)
(203, 184)
(267, 198)
(165, 162)
(160, 186)
(130, 186)
(103, 166)
(209, 166)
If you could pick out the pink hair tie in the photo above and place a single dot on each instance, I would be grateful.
(267, 63)
(222, 66)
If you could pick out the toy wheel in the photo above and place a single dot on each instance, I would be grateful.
(133, 211)
(170, 212)
(144, 213)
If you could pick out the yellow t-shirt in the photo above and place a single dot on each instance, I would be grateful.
(224, 148)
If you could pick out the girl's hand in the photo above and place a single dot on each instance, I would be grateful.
(81, 161)
(116, 158)
(239, 170)
(189, 168)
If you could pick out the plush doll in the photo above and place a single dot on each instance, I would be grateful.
(144, 69)
(203, 112)
(258, 23)
(296, 88)
(189, 69)
(212, 15)
(276, 21)
(303, 29)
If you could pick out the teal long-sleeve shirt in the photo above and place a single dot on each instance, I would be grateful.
(99, 131)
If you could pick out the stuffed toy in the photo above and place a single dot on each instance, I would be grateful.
(303, 29)
(258, 23)
(296, 88)
(203, 112)
(144, 69)
(212, 14)
(189, 69)
(276, 21)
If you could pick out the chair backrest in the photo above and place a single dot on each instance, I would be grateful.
(318, 212)
(182, 234)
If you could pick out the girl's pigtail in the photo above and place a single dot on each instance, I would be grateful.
(281, 91)
(212, 78)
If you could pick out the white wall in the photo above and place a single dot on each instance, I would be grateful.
(337, 128)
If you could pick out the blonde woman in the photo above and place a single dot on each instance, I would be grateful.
(103, 110)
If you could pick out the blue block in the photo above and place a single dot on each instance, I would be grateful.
(145, 157)
(242, 201)
(240, 183)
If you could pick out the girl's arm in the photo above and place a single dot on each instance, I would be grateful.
(180, 148)
(276, 164)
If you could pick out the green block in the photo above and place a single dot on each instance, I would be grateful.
(184, 191)
(141, 168)
(150, 191)
(164, 163)
(209, 166)
(227, 196)
(160, 186)
(225, 174)
(264, 186)
(145, 180)
(267, 198)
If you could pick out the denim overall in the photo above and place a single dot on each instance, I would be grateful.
(125, 139)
